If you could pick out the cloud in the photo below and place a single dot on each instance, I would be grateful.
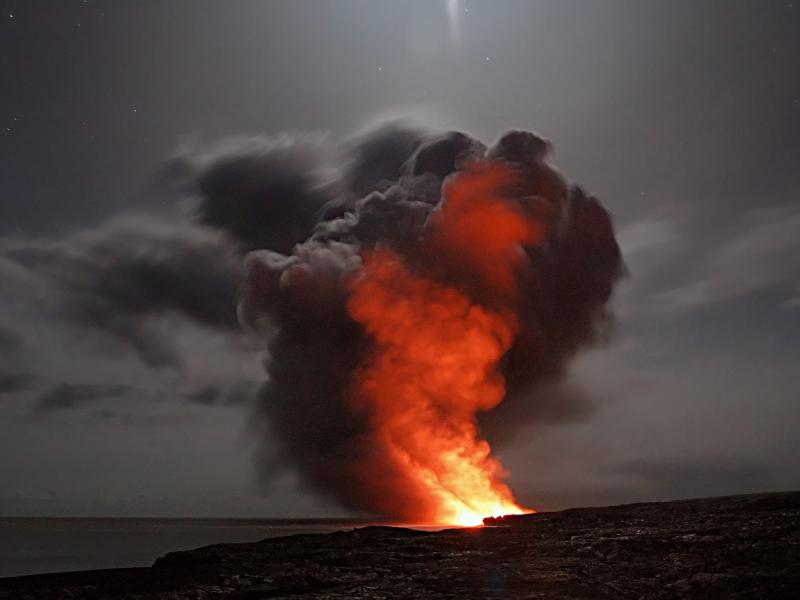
(216, 395)
(67, 396)
(126, 280)
(263, 191)
(302, 302)
(15, 382)
(677, 269)
(377, 156)
(547, 403)
(9, 340)
(145, 302)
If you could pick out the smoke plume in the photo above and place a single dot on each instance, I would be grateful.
(433, 305)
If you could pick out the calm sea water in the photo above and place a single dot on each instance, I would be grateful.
(48, 545)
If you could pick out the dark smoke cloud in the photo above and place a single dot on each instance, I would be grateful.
(121, 278)
(265, 192)
(271, 192)
(9, 341)
(377, 158)
(372, 161)
(215, 395)
(15, 382)
(298, 301)
(67, 396)
(306, 223)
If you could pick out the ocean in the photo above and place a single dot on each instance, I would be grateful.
(50, 545)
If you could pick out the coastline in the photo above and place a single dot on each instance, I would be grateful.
(741, 546)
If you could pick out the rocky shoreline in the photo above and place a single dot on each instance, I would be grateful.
(733, 547)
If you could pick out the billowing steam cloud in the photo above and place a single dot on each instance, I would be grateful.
(488, 241)
(420, 296)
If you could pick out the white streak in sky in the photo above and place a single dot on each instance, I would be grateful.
(454, 17)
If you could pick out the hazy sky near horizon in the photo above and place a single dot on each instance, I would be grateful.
(683, 117)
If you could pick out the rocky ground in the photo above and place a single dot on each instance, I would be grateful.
(736, 547)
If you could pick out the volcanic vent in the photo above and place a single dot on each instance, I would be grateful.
(447, 282)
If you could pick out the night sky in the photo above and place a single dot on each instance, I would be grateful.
(124, 380)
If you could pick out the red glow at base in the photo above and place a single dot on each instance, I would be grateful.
(434, 366)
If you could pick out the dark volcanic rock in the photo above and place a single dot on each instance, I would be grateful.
(737, 547)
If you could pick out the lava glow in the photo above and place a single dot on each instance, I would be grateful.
(438, 338)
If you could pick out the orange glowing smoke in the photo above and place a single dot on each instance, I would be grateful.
(438, 338)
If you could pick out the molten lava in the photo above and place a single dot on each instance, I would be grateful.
(438, 339)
